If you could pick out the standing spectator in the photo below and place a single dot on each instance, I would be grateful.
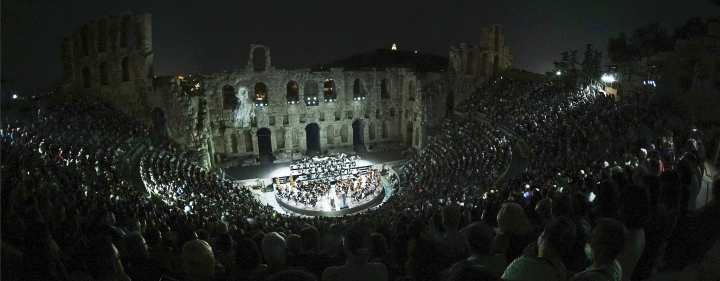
(607, 240)
(515, 233)
(198, 261)
(358, 247)
(479, 237)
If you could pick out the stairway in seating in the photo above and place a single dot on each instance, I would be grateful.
(313, 153)
(266, 159)
(360, 148)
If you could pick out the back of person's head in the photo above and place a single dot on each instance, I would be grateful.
(544, 208)
(203, 234)
(274, 247)
(310, 238)
(608, 239)
(225, 242)
(559, 234)
(635, 207)
(424, 259)
(379, 244)
(451, 217)
(562, 205)
(416, 227)
(247, 255)
(136, 247)
(357, 240)
(103, 258)
(473, 273)
(335, 230)
(511, 219)
(294, 244)
(198, 260)
(479, 237)
(153, 237)
(292, 275)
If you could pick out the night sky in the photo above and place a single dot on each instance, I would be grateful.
(198, 37)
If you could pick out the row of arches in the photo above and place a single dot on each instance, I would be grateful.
(473, 64)
(260, 93)
(105, 73)
(312, 136)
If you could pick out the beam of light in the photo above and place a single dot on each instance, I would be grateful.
(608, 78)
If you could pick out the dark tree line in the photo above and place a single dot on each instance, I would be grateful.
(591, 64)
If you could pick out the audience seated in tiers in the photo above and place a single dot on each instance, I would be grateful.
(614, 184)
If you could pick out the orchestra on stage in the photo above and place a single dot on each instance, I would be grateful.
(335, 179)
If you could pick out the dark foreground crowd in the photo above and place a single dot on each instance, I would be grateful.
(609, 193)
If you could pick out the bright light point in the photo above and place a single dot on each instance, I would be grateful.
(315, 98)
(416, 52)
(394, 47)
(187, 209)
(558, 72)
(14, 96)
(608, 78)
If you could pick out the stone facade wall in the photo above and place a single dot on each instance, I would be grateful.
(220, 116)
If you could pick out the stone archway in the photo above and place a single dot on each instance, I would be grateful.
(409, 132)
(358, 133)
(264, 142)
(260, 60)
(312, 137)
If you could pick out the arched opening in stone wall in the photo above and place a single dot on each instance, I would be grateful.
(385, 89)
(385, 128)
(296, 137)
(372, 129)
(411, 90)
(102, 35)
(259, 59)
(344, 133)
(104, 73)
(470, 64)
(248, 141)
(264, 142)
(484, 64)
(85, 40)
(497, 38)
(358, 132)
(496, 65)
(358, 93)
(330, 132)
(230, 99)
(280, 137)
(261, 94)
(293, 93)
(311, 93)
(234, 143)
(87, 77)
(329, 90)
(449, 104)
(127, 33)
(312, 137)
(125, 65)
(409, 134)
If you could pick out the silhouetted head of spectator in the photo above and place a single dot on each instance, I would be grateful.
(512, 219)
(635, 208)
(416, 227)
(544, 208)
(479, 237)
(203, 234)
(274, 248)
(198, 260)
(335, 230)
(153, 237)
(357, 243)
(424, 258)
(294, 244)
(247, 255)
(104, 260)
(379, 245)
(555, 240)
(473, 273)
(292, 275)
(451, 217)
(607, 240)
(136, 247)
(310, 238)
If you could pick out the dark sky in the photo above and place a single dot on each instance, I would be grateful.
(211, 36)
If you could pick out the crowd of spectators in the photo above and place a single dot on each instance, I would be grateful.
(607, 194)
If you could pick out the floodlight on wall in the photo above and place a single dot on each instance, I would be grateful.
(607, 78)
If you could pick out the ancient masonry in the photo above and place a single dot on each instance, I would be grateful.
(259, 113)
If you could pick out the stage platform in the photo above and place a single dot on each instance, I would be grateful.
(327, 211)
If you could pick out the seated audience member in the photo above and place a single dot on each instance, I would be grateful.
(138, 265)
(358, 247)
(479, 237)
(544, 263)
(331, 240)
(294, 245)
(224, 253)
(422, 263)
(292, 275)
(607, 240)
(310, 257)
(157, 251)
(247, 260)
(451, 241)
(515, 233)
(473, 273)
(40, 258)
(274, 250)
(104, 260)
(198, 261)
